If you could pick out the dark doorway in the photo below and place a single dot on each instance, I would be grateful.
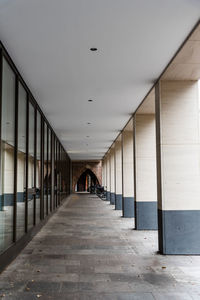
(86, 180)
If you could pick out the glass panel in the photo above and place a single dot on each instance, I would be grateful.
(49, 172)
(7, 157)
(31, 184)
(21, 162)
(58, 171)
(45, 169)
(55, 173)
(38, 168)
(62, 175)
(52, 174)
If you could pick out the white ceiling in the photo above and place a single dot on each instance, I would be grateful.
(49, 41)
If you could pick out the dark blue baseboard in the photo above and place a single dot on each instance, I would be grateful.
(179, 231)
(128, 207)
(108, 196)
(20, 197)
(112, 198)
(118, 202)
(146, 216)
(8, 199)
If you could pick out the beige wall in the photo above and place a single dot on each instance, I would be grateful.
(9, 172)
(31, 172)
(38, 174)
(145, 156)
(128, 178)
(112, 171)
(20, 172)
(179, 145)
(118, 167)
(105, 171)
(108, 172)
(8, 164)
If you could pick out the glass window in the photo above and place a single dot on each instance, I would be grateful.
(21, 161)
(55, 173)
(58, 171)
(62, 174)
(45, 170)
(38, 168)
(31, 183)
(7, 157)
(49, 171)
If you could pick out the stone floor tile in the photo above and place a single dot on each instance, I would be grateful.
(172, 296)
(88, 251)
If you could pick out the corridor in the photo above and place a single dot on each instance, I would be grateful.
(88, 251)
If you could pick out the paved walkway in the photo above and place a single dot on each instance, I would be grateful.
(87, 251)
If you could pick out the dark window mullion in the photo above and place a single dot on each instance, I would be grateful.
(51, 169)
(58, 164)
(55, 181)
(59, 173)
(47, 168)
(42, 171)
(35, 165)
(15, 160)
(27, 155)
(56, 157)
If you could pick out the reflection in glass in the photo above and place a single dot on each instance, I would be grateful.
(7, 157)
(55, 173)
(21, 161)
(49, 171)
(38, 168)
(31, 184)
(63, 185)
(45, 169)
(58, 172)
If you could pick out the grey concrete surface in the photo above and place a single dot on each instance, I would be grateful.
(88, 251)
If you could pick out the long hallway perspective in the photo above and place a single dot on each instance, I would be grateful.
(88, 251)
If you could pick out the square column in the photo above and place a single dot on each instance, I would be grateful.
(103, 172)
(145, 172)
(178, 168)
(108, 177)
(118, 174)
(112, 176)
(104, 175)
(128, 208)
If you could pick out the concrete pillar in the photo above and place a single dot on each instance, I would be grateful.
(178, 168)
(103, 172)
(112, 176)
(104, 175)
(128, 208)
(108, 177)
(118, 174)
(145, 172)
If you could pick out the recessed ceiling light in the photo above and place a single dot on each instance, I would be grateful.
(93, 49)
(90, 100)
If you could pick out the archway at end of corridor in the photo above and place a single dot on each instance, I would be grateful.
(85, 181)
